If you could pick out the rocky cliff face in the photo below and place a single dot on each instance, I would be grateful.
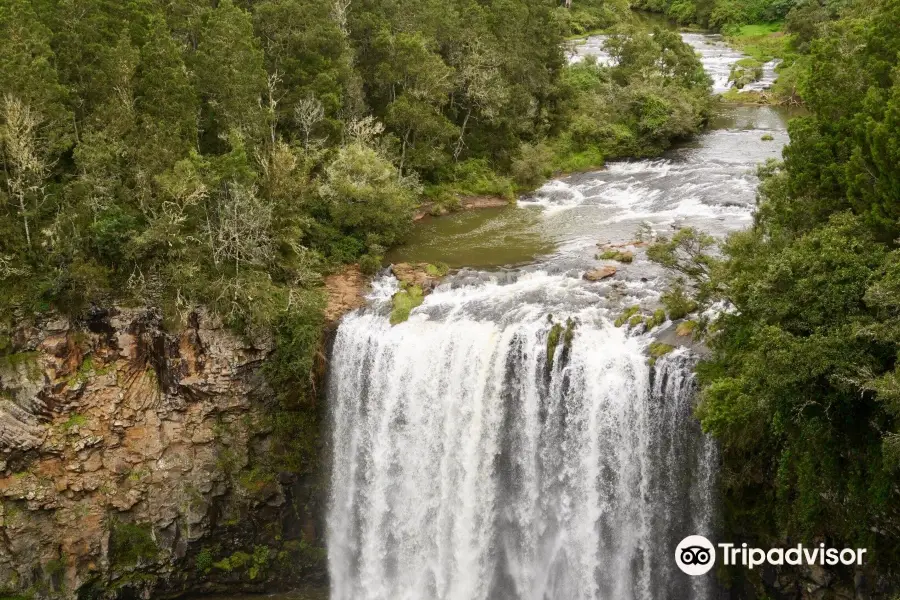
(133, 464)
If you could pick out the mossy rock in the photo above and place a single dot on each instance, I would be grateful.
(617, 255)
(686, 328)
(437, 270)
(559, 332)
(657, 350)
(658, 318)
(625, 316)
(404, 301)
(767, 137)
(130, 543)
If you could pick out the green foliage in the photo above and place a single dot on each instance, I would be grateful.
(618, 255)
(437, 270)
(677, 301)
(229, 72)
(369, 264)
(228, 154)
(204, 561)
(255, 564)
(404, 301)
(256, 480)
(235, 562)
(131, 543)
(291, 371)
(657, 350)
(658, 318)
(365, 196)
(591, 16)
(749, 17)
(639, 107)
(630, 312)
(472, 177)
(534, 165)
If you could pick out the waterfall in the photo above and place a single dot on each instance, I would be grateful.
(468, 464)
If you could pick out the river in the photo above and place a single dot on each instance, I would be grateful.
(472, 459)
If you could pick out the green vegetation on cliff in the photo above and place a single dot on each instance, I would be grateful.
(802, 385)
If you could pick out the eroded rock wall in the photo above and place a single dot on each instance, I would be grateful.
(133, 463)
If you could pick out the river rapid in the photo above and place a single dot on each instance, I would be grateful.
(473, 457)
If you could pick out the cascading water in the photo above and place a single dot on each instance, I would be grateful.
(471, 464)
(474, 458)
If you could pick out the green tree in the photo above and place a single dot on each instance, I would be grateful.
(305, 46)
(366, 196)
(229, 75)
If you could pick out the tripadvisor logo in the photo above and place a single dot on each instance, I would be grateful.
(696, 555)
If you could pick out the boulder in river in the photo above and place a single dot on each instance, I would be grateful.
(600, 273)
(424, 275)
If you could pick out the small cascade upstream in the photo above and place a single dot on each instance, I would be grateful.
(476, 458)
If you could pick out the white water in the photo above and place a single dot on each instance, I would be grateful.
(470, 465)
(466, 467)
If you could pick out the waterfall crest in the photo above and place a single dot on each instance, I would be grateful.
(468, 465)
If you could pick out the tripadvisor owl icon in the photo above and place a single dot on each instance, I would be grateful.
(695, 555)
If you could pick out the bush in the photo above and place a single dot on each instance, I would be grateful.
(366, 196)
(475, 177)
(677, 302)
(131, 543)
(369, 264)
(533, 166)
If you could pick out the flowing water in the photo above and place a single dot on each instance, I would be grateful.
(508, 442)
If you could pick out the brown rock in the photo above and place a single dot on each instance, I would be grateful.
(600, 273)
(345, 292)
(416, 274)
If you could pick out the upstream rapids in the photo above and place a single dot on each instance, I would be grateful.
(474, 458)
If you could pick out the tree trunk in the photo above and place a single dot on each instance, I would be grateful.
(403, 151)
(462, 132)
(25, 219)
